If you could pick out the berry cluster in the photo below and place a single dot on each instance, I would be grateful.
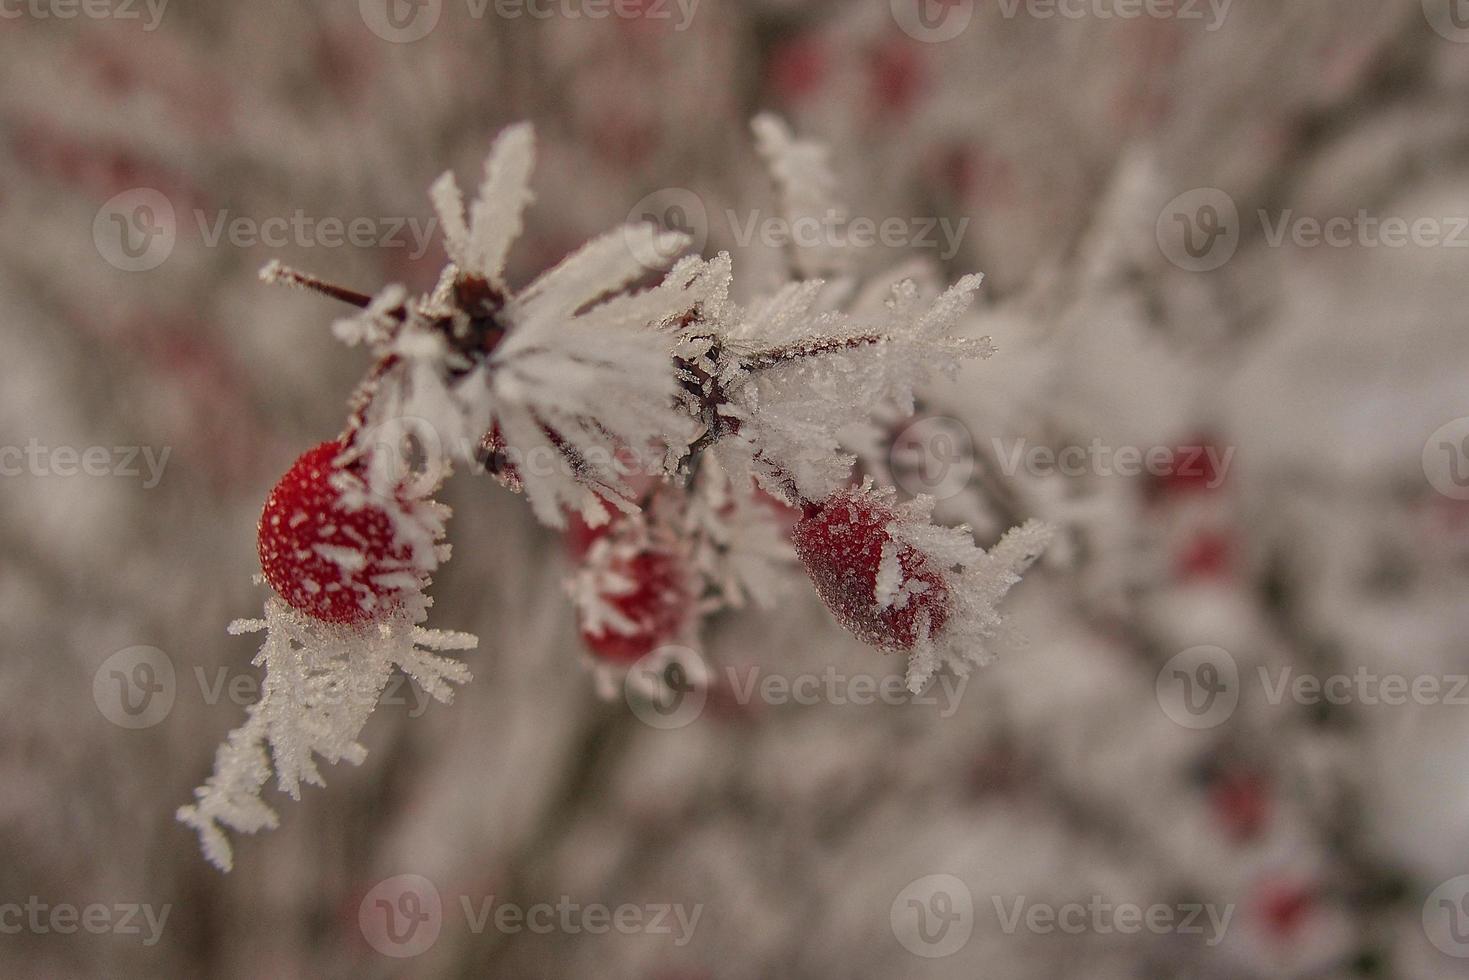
(694, 448)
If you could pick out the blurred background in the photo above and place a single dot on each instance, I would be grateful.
(1225, 249)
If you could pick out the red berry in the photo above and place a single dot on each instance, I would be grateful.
(843, 543)
(797, 68)
(644, 602)
(1241, 801)
(321, 556)
(1284, 906)
(1206, 556)
(897, 75)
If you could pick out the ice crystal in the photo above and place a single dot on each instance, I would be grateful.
(321, 683)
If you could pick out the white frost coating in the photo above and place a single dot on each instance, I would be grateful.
(980, 581)
(807, 192)
(889, 585)
(321, 684)
(558, 379)
(374, 324)
(577, 374)
(348, 559)
(833, 368)
(495, 218)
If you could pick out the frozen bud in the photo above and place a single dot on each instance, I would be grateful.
(633, 594)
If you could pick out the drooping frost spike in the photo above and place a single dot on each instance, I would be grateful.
(322, 681)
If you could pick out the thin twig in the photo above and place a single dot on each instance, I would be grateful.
(276, 273)
(810, 348)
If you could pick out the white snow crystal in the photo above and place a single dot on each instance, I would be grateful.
(321, 683)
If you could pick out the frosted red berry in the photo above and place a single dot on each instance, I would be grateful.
(320, 555)
(647, 593)
(842, 543)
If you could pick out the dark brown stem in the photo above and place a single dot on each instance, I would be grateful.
(808, 348)
(277, 273)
